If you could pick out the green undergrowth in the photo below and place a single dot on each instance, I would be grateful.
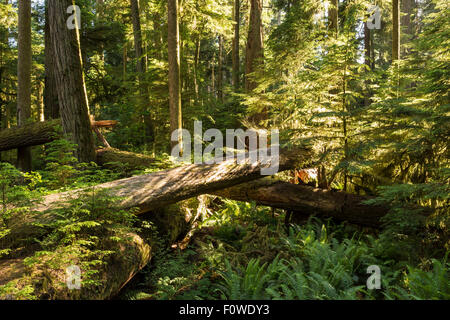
(245, 252)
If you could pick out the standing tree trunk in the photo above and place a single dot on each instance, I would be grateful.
(71, 87)
(174, 70)
(367, 60)
(196, 60)
(407, 9)
(236, 17)
(220, 71)
(367, 44)
(51, 105)
(333, 13)
(40, 100)
(254, 54)
(24, 78)
(395, 30)
(140, 63)
(100, 14)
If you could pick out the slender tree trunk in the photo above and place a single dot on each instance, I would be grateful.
(140, 62)
(196, 60)
(213, 76)
(124, 61)
(236, 64)
(367, 59)
(71, 87)
(220, 71)
(254, 54)
(24, 78)
(367, 46)
(40, 101)
(51, 104)
(3, 102)
(406, 20)
(100, 13)
(174, 70)
(407, 9)
(396, 30)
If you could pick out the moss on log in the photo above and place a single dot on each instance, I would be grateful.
(30, 135)
(305, 201)
(46, 278)
(159, 189)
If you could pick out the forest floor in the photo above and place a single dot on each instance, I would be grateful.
(242, 251)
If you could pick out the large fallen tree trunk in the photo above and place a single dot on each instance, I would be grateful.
(148, 193)
(159, 189)
(46, 278)
(306, 200)
(156, 190)
(38, 133)
(30, 135)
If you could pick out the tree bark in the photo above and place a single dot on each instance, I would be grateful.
(174, 70)
(24, 78)
(333, 13)
(407, 8)
(236, 62)
(395, 30)
(32, 134)
(254, 54)
(71, 87)
(367, 60)
(156, 190)
(306, 201)
(220, 71)
(135, 15)
(367, 43)
(44, 132)
(51, 105)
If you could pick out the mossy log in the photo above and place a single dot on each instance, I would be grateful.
(150, 193)
(39, 133)
(304, 200)
(33, 134)
(47, 278)
(159, 189)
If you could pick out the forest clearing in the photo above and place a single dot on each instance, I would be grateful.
(224, 150)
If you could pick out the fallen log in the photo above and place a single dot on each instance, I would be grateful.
(44, 132)
(46, 281)
(32, 134)
(306, 200)
(156, 190)
(39, 133)
(46, 277)
(146, 192)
